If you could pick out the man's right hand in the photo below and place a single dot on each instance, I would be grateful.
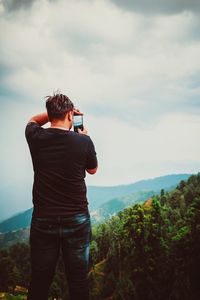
(84, 131)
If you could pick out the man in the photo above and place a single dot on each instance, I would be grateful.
(60, 220)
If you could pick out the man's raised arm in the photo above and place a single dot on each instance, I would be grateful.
(41, 119)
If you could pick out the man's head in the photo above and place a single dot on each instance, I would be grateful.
(58, 106)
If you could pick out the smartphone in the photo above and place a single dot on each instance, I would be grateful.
(78, 122)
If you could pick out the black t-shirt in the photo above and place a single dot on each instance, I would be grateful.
(60, 158)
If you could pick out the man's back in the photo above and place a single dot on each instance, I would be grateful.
(60, 158)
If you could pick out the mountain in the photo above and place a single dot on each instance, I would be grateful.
(99, 196)
(18, 221)
(150, 250)
(113, 206)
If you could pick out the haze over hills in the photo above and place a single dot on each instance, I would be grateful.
(99, 195)
(15, 198)
(113, 206)
(105, 201)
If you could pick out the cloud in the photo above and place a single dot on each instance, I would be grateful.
(13, 5)
(142, 6)
(110, 61)
(133, 153)
(135, 75)
(159, 6)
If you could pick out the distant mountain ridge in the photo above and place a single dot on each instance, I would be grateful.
(99, 196)
(113, 206)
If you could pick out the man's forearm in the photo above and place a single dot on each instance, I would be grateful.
(41, 119)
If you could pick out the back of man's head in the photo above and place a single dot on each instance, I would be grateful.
(58, 106)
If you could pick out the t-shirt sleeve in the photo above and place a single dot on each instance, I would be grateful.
(91, 162)
(32, 131)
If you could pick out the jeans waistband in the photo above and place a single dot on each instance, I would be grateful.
(80, 217)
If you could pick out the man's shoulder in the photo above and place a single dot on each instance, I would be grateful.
(32, 123)
(32, 130)
(32, 126)
(81, 137)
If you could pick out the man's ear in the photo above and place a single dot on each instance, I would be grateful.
(70, 116)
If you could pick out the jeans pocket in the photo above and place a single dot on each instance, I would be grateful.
(80, 236)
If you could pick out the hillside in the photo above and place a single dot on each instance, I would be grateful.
(17, 228)
(152, 250)
(148, 251)
(19, 221)
(100, 195)
(112, 207)
(12, 237)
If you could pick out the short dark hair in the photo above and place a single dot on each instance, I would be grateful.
(58, 106)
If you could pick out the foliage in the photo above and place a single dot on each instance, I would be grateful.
(152, 250)
(148, 251)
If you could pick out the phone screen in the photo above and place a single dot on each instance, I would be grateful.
(78, 122)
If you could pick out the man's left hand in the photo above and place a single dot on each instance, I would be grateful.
(76, 111)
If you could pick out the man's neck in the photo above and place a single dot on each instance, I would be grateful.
(60, 125)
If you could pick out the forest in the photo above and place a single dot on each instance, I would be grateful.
(148, 251)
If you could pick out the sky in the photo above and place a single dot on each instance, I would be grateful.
(132, 67)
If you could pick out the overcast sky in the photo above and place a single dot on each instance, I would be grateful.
(133, 68)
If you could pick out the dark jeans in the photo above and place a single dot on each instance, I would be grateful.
(47, 236)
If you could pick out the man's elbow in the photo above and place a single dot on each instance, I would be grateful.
(91, 171)
(32, 120)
